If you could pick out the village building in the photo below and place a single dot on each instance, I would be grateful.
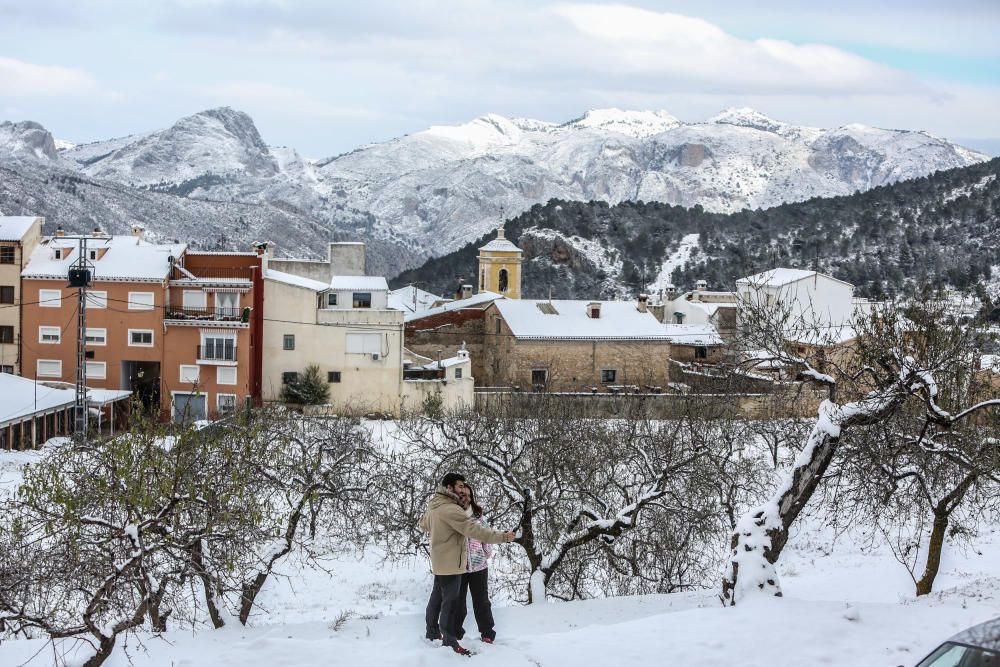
(330, 314)
(447, 384)
(178, 328)
(500, 267)
(703, 307)
(575, 346)
(19, 236)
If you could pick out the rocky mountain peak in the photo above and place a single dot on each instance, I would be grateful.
(26, 140)
(747, 117)
(637, 124)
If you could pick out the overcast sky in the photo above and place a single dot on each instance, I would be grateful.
(327, 76)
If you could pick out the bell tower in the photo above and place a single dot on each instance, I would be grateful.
(500, 267)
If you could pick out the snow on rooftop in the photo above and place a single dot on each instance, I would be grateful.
(693, 334)
(411, 299)
(121, 258)
(367, 283)
(474, 301)
(297, 281)
(501, 245)
(782, 276)
(14, 227)
(21, 397)
(445, 363)
(568, 320)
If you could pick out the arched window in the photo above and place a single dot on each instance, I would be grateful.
(502, 284)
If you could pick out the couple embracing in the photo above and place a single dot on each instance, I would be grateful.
(460, 550)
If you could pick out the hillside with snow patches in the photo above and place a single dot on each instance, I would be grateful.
(430, 192)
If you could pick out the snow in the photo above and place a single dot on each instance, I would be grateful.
(693, 334)
(126, 258)
(500, 245)
(474, 301)
(366, 283)
(411, 299)
(844, 605)
(20, 397)
(14, 227)
(676, 260)
(635, 124)
(778, 277)
(619, 320)
(297, 281)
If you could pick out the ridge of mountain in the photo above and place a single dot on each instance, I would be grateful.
(429, 192)
(941, 230)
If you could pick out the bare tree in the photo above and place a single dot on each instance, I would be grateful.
(894, 360)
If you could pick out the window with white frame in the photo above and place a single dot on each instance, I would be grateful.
(97, 370)
(194, 299)
(190, 374)
(364, 343)
(97, 299)
(218, 347)
(97, 336)
(331, 299)
(140, 301)
(49, 298)
(48, 368)
(49, 335)
(226, 403)
(225, 375)
(140, 337)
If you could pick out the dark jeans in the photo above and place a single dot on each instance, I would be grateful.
(442, 609)
(477, 583)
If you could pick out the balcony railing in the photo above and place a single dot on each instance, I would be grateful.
(179, 312)
(222, 351)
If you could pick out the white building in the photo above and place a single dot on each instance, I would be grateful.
(341, 323)
(809, 296)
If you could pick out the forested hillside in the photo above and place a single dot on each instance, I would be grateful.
(941, 229)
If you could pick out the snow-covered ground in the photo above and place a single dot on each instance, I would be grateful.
(676, 259)
(842, 607)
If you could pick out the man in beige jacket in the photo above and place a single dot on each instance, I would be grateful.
(450, 527)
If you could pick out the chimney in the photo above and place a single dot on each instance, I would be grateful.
(701, 285)
(671, 293)
(463, 352)
(138, 231)
(594, 310)
(643, 298)
(60, 232)
(263, 250)
(466, 291)
(97, 233)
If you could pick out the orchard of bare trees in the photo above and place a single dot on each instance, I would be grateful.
(161, 528)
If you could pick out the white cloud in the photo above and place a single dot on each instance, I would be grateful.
(23, 79)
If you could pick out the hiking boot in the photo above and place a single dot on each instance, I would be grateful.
(461, 650)
(487, 639)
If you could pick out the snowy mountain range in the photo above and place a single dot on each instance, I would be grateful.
(430, 192)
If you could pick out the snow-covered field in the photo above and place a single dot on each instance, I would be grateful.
(842, 607)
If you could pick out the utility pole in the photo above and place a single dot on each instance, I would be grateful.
(79, 277)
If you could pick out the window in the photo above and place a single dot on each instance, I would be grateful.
(226, 403)
(57, 253)
(364, 343)
(194, 300)
(502, 281)
(331, 299)
(49, 298)
(225, 375)
(140, 337)
(288, 342)
(6, 334)
(49, 368)
(6, 294)
(539, 376)
(608, 375)
(7, 369)
(362, 299)
(7, 254)
(333, 376)
(458, 373)
(227, 304)
(218, 347)
(49, 335)
(701, 352)
(97, 336)
(189, 407)
(97, 299)
(289, 377)
(97, 370)
(497, 325)
(190, 374)
(140, 301)
(92, 254)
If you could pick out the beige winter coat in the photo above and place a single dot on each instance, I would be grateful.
(449, 527)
